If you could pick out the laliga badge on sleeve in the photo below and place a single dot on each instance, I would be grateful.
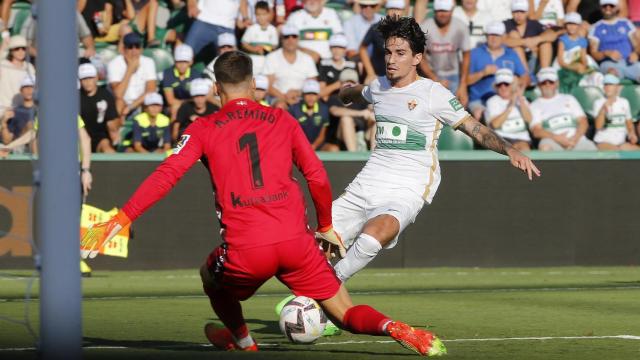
(184, 139)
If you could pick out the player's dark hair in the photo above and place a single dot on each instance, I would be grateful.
(233, 67)
(406, 28)
(262, 5)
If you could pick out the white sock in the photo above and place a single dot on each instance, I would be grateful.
(365, 249)
(245, 342)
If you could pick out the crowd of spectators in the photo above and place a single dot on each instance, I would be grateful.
(545, 74)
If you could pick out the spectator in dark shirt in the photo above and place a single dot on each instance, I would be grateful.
(98, 110)
(529, 37)
(329, 69)
(105, 17)
(190, 110)
(175, 80)
(17, 121)
(312, 114)
(352, 124)
(151, 132)
(372, 47)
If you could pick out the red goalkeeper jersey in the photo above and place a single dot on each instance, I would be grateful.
(249, 150)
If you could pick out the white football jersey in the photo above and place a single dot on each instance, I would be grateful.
(617, 114)
(514, 127)
(408, 121)
(316, 31)
(558, 114)
(615, 126)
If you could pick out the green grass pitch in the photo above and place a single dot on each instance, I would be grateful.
(507, 313)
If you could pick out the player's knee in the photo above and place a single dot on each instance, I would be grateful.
(368, 245)
(206, 277)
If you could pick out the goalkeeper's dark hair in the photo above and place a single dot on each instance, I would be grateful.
(233, 67)
(406, 28)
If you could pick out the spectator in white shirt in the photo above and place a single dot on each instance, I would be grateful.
(131, 75)
(316, 23)
(357, 26)
(557, 119)
(508, 111)
(260, 38)
(213, 18)
(474, 18)
(613, 120)
(288, 68)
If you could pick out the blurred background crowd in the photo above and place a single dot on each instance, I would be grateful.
(545, 74)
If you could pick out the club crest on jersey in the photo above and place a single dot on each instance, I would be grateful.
(412, 104)
(184, 139)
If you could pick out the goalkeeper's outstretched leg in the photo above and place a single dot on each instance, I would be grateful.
(235, 333)
(363, 319)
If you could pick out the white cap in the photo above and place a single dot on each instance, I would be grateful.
(443, 5)
(573, 18)
(87, 70)
(226, 39)
(199, 87)
(503, 76)
(611, 79)
(495, 28)
(547, 73)
(520, 5)
(153, 99)
(311, 87)
(348, 74)
(288, 30)
(183, 52)
(395, 4)
(609, 2)
(262, 82)
(27, 81)
(368, 2)
(338, 40)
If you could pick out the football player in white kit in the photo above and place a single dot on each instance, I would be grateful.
(403, 171)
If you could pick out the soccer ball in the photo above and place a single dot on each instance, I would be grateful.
(302, 320)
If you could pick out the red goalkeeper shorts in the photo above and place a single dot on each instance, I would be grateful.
(299, 264)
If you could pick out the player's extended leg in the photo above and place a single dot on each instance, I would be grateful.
(376, 234)
(363, 319)
(235, 335)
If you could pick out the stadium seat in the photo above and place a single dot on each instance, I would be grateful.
(632, 93)
(20, 13)
(454, 140)
(586, 96)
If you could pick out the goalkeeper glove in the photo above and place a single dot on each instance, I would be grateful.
(99, 234)
(331, 238)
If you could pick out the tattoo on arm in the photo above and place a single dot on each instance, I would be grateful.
(485, 136)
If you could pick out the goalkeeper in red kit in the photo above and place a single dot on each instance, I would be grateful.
(249, 150)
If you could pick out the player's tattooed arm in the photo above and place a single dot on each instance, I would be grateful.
(490, 140)
(485, 136)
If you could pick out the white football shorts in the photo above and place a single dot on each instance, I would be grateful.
(360, 203)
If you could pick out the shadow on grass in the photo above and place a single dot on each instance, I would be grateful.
(279, 351)
(146, 344)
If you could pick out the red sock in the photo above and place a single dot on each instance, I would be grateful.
(229, 312)
(363, 319)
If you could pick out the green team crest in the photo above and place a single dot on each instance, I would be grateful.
(455, 104)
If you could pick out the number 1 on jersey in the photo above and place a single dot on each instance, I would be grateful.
(250, 141)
